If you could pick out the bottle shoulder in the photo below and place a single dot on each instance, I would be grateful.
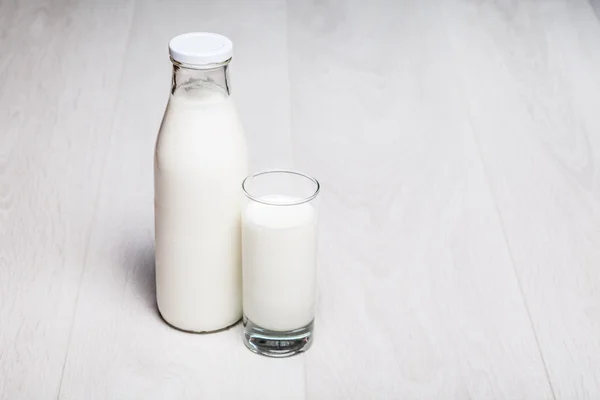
(197, 134)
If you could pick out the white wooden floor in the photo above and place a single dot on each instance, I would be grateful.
(458, 144)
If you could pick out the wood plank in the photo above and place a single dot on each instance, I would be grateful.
(418, 296)
(533, 95)
(120, 347)
(59, 73)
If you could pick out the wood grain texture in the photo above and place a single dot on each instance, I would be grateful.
(531, 82)
(120, 342)
(59, 71)
(457, 144)
(418, 296)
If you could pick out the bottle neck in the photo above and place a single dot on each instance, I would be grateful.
(194, 83)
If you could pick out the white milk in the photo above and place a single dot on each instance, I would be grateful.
(279, 264)
(200, 161)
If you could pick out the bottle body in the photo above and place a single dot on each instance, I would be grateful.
(200, 160)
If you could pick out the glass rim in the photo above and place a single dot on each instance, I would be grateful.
(281, 171)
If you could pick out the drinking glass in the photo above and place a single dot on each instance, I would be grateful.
(279, 261)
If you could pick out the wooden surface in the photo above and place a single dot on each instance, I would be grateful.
(458, 145)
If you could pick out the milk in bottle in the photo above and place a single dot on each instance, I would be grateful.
(200, 160)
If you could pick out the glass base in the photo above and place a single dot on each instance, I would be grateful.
(277, 344)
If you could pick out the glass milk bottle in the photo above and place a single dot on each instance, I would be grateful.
(199, 162)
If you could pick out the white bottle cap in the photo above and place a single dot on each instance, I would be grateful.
(200, 48)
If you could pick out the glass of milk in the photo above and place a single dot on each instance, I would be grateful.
(279, 260)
